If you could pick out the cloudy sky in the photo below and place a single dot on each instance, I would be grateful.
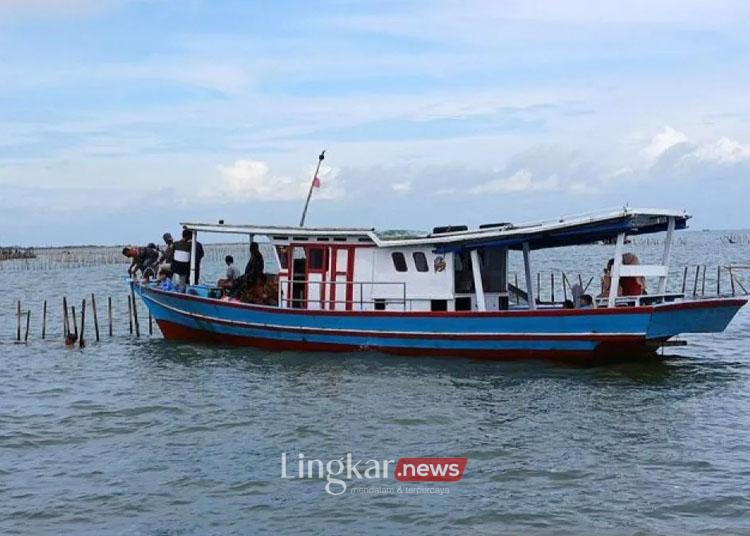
(120, 118)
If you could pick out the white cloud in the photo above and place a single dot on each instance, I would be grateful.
(664, 140)
(521, 181)
(402, 187)
(722, 151)
(252, 180)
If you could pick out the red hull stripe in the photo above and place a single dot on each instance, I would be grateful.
(172, 331)
(613, 337)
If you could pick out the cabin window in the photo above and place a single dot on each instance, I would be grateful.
(420, 261)
(399, 261)
(438, 305)
(379, 304)
(283, 256)
(463, 304)
(315, 258)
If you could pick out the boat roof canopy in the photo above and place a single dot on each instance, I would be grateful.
(565, 231)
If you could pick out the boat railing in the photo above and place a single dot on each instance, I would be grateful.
(323, 301)
(555, 287)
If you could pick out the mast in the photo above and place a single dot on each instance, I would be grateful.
(312, 185)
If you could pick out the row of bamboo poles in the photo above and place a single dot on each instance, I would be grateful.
(75, 323)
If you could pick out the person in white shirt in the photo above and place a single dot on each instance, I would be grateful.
(233, 273)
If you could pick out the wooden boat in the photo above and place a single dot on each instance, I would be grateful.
(444, 293)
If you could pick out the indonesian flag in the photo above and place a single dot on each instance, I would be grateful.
(316, 182)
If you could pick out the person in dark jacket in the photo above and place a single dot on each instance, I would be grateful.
(255, 266)
(198, 257)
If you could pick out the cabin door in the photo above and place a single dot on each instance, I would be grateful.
(316, 271)
(341, 274)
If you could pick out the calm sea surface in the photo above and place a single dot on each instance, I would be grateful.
(140, 436)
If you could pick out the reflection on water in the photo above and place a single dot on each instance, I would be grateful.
(149, 437)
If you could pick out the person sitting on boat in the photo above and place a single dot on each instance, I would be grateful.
(606, 279)
(165, 280)
(232, 275)
(631, 286)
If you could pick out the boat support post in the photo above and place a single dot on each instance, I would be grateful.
(193, 253)
(476, 270)
(615, 276)
(665, 256)
(527, 269)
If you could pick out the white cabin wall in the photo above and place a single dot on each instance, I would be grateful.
(421, 287)
(363, 272)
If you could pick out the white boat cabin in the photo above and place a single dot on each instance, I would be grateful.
(449, 269)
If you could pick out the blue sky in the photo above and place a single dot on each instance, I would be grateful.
(120, 118)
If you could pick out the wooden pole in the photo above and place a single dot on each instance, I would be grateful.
(695, 284)
(66, 324)
(75, 322)
(552, 286)
(18, 321)
(731, 279)
(109, 313)
(684, 279)
(150, 325)
(718, 281)
(28, 320)
(703, 282)
(130, 314)
(81, 343)
(135, 311)
(44, 320)
(96, 320)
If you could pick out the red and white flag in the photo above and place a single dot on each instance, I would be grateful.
(316, 182)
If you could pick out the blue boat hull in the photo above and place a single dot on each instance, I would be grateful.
(558, 333)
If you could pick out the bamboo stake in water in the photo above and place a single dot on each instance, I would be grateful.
(28, 320)
(150, 325)
(44, 320)
(684, 279)
(109, 313)
(75, 322)
(81, 342)
(130, 314)
(18, 322)
(552, 286)
(135, 311)
(695, 284)
(96, 320)
(66, 324)
(718, 281)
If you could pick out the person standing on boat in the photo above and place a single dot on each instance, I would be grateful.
(255, 266)
(181, 260)
(167, 256)
(199, 254)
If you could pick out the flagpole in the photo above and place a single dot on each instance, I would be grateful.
(312, 185)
